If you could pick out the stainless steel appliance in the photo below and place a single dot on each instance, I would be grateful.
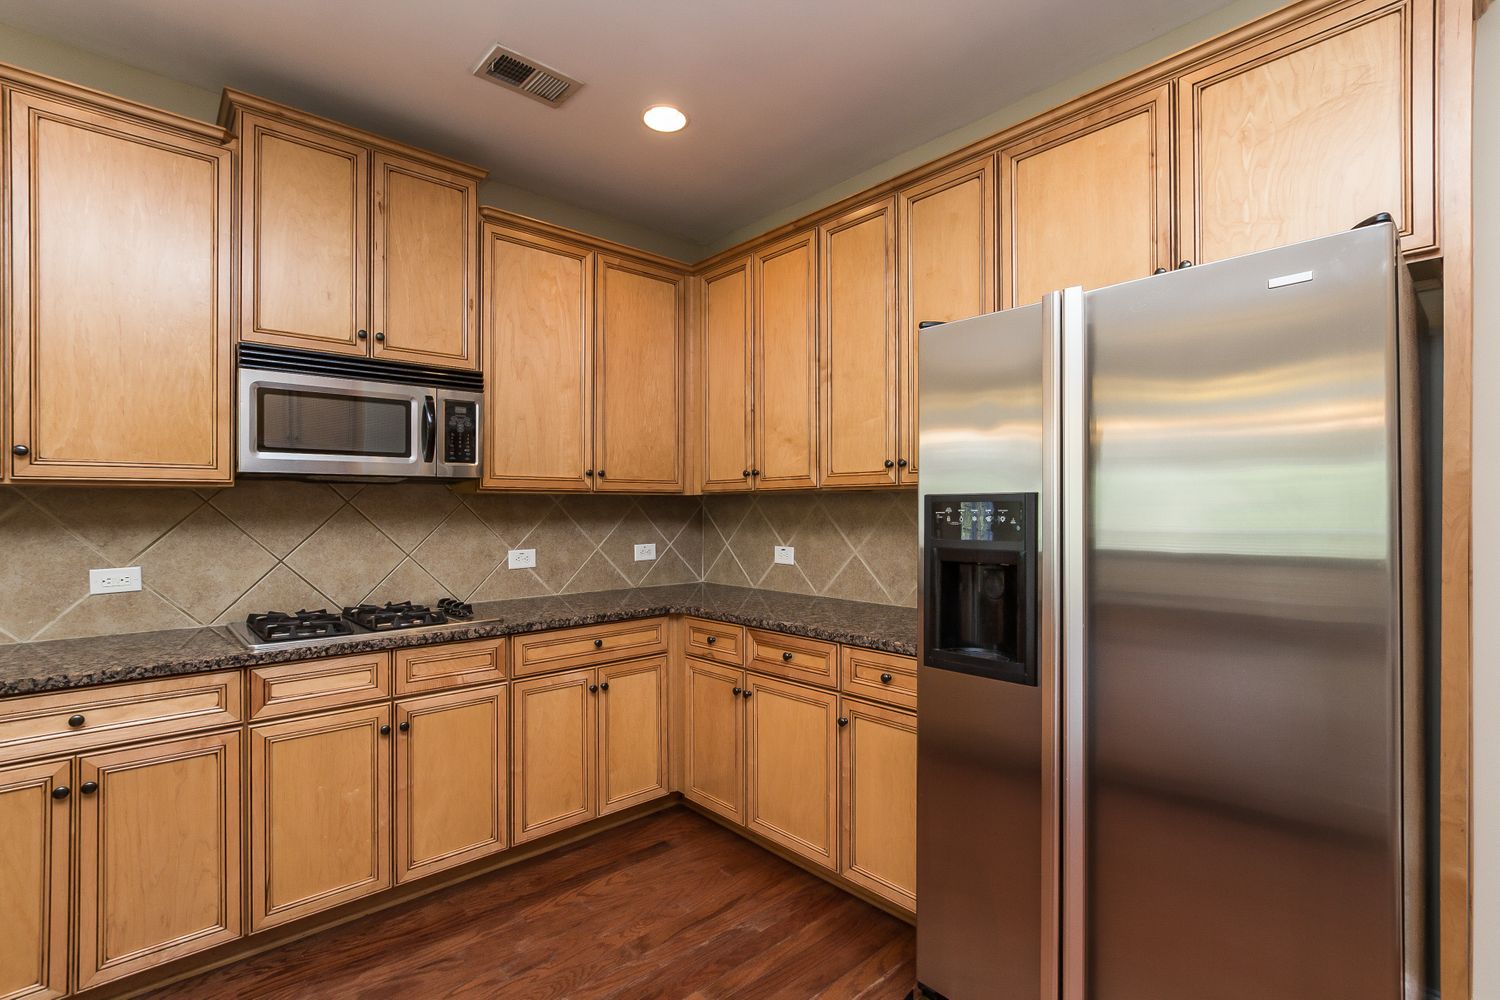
(308, 414)
(281, 629)
(1170, 666)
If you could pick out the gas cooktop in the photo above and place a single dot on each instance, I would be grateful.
(281, 630)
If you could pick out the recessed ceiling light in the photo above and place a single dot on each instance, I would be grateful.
(664, 118)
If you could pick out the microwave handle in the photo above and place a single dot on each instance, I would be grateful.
(429, 429)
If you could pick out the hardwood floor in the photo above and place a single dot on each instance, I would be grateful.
(671, 906)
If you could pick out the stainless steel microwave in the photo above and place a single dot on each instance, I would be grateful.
(308, 414)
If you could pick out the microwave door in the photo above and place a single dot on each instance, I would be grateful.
(297, 424)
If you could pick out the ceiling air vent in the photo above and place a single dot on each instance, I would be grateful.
(527, 76)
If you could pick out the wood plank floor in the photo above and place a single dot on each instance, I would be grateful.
(671, 906)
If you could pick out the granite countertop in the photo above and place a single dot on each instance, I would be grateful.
(27, 668)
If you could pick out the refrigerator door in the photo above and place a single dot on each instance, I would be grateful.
(1241, 707)
(987, 826)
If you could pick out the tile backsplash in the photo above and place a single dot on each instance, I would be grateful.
(213, 556)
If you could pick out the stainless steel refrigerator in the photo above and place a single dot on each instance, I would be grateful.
(1170, 662)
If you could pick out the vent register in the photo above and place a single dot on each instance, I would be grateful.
(514, 71)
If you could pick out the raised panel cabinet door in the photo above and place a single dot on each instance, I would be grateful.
(728, 445)
(320, 804)
(945, 238)
(304, 239)
(638, 377)
(36, 807)
(878, 800)
(860, 381)
(159, 854)
(553, 744)
(1088, 202)
(786, 363)
(1308, 132)
(120, 282)
(793, 767)
(452, 771)
(538, 305)
(714, 738)
(633, 762)
(424, 275)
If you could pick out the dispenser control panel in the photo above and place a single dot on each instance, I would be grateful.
(977, 520)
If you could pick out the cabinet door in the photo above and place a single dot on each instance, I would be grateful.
(451, 775)
(633, 762)
(424, 278)
(1307, 133)
(728, 444)
(860, 383)
(538, 308)
(1088, 202)
(638, 377)
(304, 242)
(320, 803)
(552, 753)
(159, 860)
(792, 747)
(786, 364)
(878, 796)
(34, 838)
(119, 272)
(946, 239)
(714, 739)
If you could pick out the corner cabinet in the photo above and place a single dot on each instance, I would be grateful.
(119, 268)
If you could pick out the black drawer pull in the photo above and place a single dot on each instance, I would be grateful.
(61, 792)
(786, 656)
(598, 643)
(75, 721)
(89, 787)
(885, 678)
(712, 639)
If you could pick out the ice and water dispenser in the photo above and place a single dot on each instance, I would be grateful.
(981, 580)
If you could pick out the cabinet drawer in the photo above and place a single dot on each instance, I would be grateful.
(449, 665)
(883, 676)
(312, 685)
(795, 658)
(716, 641)
(70, 721)
(585, 647)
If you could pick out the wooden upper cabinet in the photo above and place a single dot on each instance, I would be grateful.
(538, 314)
(304, 213)
(1088, 202)
(423, 280)
(34, 866)
(1311, 131)
(728, 443)
(119, 276)
(638, 377)
(859, 392)
(786, 363)
(945, 236)
(159, 856)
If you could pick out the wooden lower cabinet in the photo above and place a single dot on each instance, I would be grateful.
(878, 800)
(159, 857)
(451, 778)
(793, 767)
(633, 762)
(714, 739)
(35, 828)
(552, 753)
(320, 800)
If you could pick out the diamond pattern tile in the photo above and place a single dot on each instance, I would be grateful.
(460, 553)
(278, 514)
(595, 574)
(278, 590)
(511, 516)
(506, 583)
(753, 545)
(561, 548)
(406, 512)
(408, 582)
(106, 614)
(44, 571)
(821, 550)
(119, 523)
(855, 583)
(204, 564)
(344, 555)
(668, 569)
(726, 569)
(619, 548)
(891, 553)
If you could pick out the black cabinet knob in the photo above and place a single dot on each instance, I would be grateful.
(588, 473)
(385, 730)
(746, 473)
(754, 472)
(61, 792)
(20, 449)
(712, 639)
(601, 473)
(889, 463)
(380, 336)
(1184, 264)
(736, 690)
(843, 721)
(404, 727)
(75, 721)
(361, 334)
(89, 787)
(598, 643)
(901, 462)
(1160, 270)
(746, 692)
(604, 685)
(885, 678)
(593, 688)
(786, 656)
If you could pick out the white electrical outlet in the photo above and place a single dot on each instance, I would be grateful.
(114, 581)
(645, 552)
(786, 555)
(521, 559)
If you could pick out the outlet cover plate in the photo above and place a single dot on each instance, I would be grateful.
(521, 559)
(785, 555)
(645, 552)
(121, 580)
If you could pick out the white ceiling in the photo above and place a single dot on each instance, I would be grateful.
(785, 97)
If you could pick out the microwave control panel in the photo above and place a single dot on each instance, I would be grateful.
(460, 432)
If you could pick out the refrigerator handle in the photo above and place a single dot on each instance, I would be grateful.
(1049, 643)
(1074, 430)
